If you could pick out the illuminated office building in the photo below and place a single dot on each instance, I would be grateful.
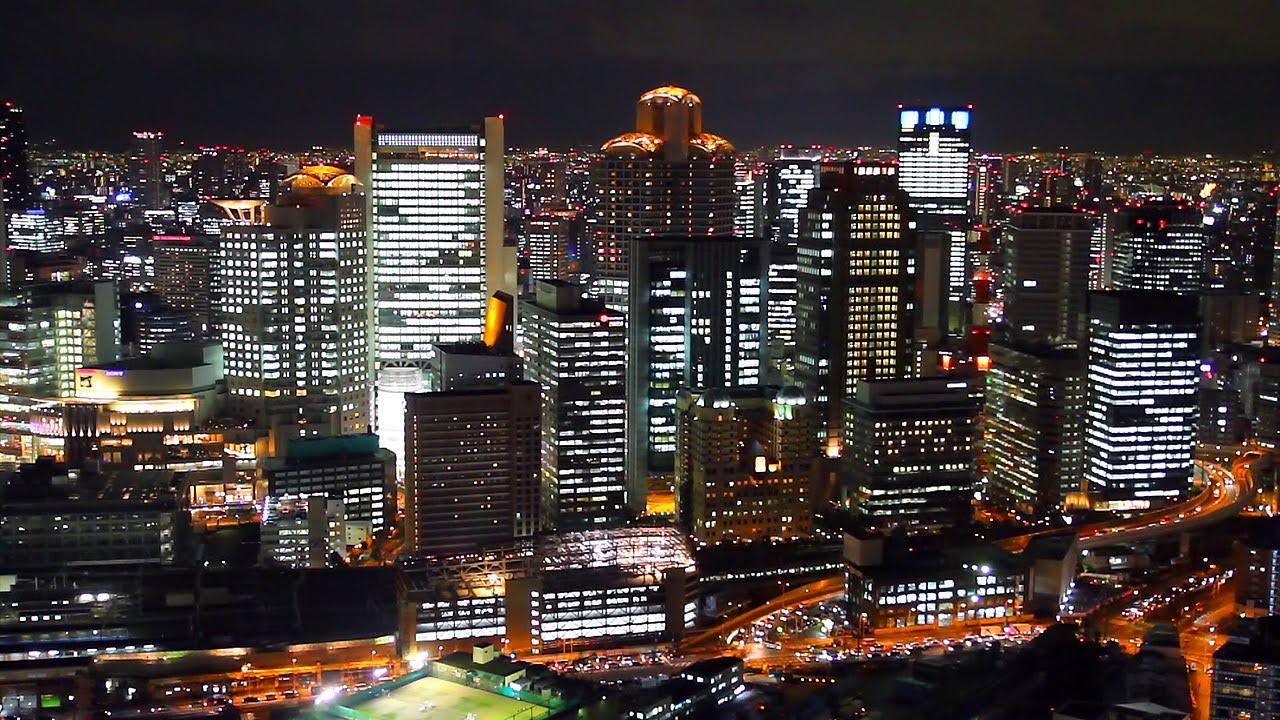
(575, 349)
(551, 244)
(1246, 672)
(666, 178)
(293, 311)
(748, 218)
(1033, 406)
(745, 464)
(788, 181)
(34, 230)
(184, 274)
(1141, 379)
(1046, 273)
(934, 152)
(1158, 246)
(351, 469)
(697, 319)
(855, 288)
(472, 459)
(910, 451)
(15, 169)
(49, 331)
(146, 177)
(557, 592)
(437, 232)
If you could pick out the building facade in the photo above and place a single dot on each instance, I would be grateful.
(1046, 273)
(668, 177)
(855, 288)
(1140, 392)
(697, 319)
(352, 469)
(746, 464)
(575, 350)
(293, 313)
(910, 457)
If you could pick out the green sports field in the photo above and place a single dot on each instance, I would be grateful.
(447, 701)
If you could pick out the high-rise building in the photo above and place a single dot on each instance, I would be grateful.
(697, 319)
(146, 170)
(1031, 441)
(350, 468)
(293, 312)
(17, 193)
(1141, 376)
(184, 274)
(436, 230)
(472, 467)
(668, 177)
(49, 331)
(551, 242)
(855, 288)
(788, 181)
(575, 349)
(745, 464)
(748, 218)
(1257, 569)
(1158, 246)
(910, 455)
(934, 152)
(1246, 673)
(1046, 273)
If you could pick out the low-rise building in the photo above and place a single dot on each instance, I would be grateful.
(892, 584)
(352, 469)
(1246, 673)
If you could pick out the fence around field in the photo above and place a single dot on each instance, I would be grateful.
(347, 708)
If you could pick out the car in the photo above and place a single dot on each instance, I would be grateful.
(269, 697)
(250, 699)
(289, 694)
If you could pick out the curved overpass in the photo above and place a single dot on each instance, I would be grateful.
(1226, 493)
(816, 591)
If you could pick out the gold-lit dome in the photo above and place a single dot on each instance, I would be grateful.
(316, 176)
(641, 141)
(711, 144)
(670, 92)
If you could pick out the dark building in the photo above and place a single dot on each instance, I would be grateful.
(1046, 273)
(472, 467)
(15, 170)
(1031, 441)
(1157, 246)
(854, 300)
(1246, 674)
(910, 455)
(697, 319)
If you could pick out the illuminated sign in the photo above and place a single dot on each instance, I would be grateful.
(960, 118)
(909, 118)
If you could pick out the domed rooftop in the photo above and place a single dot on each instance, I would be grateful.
(670, 92)
(790, 395)
(316, 176)
(716, 398)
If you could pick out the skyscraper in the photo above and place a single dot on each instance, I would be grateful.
(15, 171)
(1046, 273)
(934, 151)
(471, 467)
(1141, 378)
(551, 239)
(666, 178)
(745, 464)
(184, 274)
(697, 319)
(910, 453)
(1158, 246)
(293, 309)
(788, 181)
(855, 287)
(146, 170)
(1033, 406)
(575, 349)
(436, 227)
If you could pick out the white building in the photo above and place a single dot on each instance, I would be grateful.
(1141, 407)
(293, 314)
(302, 533)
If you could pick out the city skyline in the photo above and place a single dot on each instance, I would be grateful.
(1057, 75)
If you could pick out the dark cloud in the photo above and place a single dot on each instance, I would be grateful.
(1169, 74)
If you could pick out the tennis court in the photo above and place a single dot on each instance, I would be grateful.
(434, 699)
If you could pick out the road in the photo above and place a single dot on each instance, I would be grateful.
(816, 591)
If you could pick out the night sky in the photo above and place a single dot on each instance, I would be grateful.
(1121, 75)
